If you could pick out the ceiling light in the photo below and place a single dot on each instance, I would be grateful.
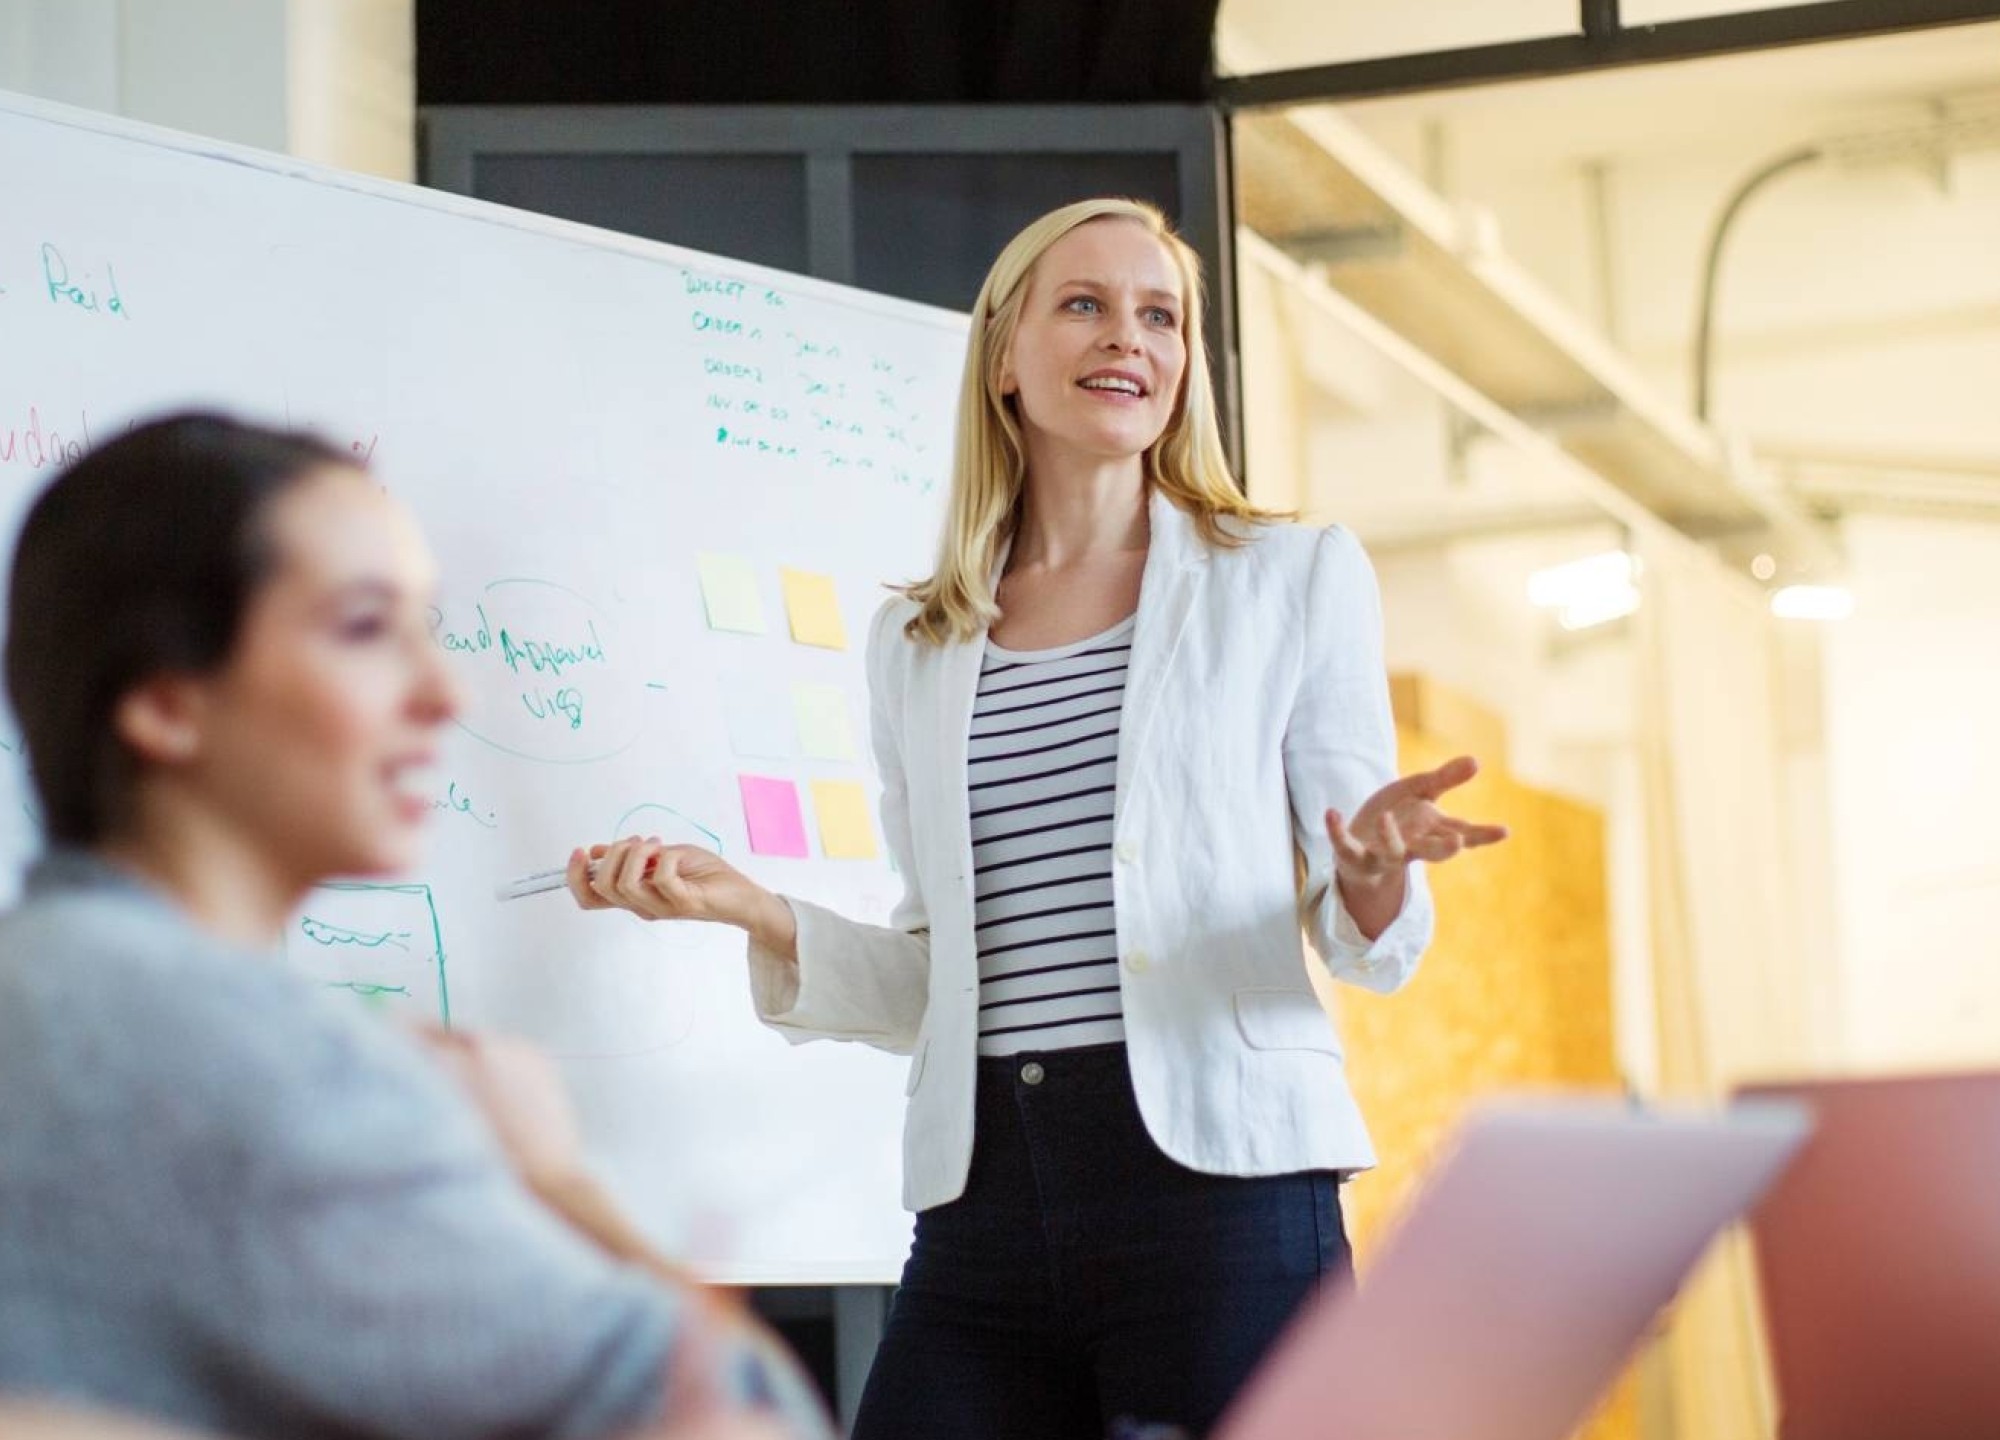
(1599, 609)
(1812, 602)
(1583, 582)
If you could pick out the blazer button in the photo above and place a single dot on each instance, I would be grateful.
(1138, 962)
(1032, 1073)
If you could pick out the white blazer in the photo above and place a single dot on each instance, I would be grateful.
(1255, 700)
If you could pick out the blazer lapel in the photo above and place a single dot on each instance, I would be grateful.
(1168, 588)
(957, 689)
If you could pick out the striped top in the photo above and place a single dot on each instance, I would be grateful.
(1042, 774)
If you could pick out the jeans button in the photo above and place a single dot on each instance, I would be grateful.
(1032, 1073)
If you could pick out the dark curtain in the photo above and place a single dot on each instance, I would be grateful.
(879, 52)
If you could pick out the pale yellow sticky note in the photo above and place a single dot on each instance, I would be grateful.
(729, 594)
(845, 831)
(825, 732)
(814, 609)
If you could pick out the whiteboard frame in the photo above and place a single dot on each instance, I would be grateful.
(464, 207)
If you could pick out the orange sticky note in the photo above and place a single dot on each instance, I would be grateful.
(814, 609)
(845, 831)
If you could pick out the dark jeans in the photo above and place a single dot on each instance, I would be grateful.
(1084, 1278)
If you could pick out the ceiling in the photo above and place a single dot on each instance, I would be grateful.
(1617, 115)
(1722, 107)
(1722, 103)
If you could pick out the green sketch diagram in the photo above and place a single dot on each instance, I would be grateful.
(380, 943)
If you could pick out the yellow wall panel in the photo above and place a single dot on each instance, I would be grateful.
(1514, 994)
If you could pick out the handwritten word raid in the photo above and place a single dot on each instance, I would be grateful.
(81, 288)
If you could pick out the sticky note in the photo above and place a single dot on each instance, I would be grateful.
(771, 810)
(814, 609)
(845, 831)
(759, 717)
(729, 594)
(825, 732)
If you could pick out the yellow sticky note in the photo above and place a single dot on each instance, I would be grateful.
(814, 609)
(729, 594)
(845, 831)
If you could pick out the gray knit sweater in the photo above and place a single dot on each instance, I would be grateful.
(229, 1200)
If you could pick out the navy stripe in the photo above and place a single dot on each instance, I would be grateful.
(986, 895)
(984, 841)
(1111, 759)
(1046, 724)
(1051, 969)
(1051, 940)
(1001, 667)
(1043, 749)
(1058, 995)
(1041, 914)
(1030, 859)
(1118, 670)
(1118, 689)
(1037, 804)
(1051, 1024)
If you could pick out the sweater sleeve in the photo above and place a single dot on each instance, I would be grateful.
(345, 1241)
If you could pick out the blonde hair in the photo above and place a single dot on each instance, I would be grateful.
(989, 463)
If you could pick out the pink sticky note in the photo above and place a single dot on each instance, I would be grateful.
(772, 809)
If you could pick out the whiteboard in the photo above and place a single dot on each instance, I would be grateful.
(605, 439)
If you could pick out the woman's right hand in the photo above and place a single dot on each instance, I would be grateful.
(656, 881)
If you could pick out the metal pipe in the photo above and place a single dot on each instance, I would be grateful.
(1704, 338)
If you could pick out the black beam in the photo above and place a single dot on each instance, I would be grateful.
(1603, 45)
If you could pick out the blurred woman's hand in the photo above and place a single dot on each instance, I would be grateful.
(516, 1087)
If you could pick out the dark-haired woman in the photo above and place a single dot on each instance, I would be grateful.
(227, 1201)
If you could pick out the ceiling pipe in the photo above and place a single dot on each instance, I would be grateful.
(1972, 122)
(1704, 333)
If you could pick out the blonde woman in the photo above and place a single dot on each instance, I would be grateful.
(1107, 726)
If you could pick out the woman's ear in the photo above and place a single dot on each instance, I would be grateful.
(159, 720)
(1005, 383)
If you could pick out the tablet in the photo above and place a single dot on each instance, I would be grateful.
(1520, 1278)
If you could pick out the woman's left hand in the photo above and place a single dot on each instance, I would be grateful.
(521, 1094)
(1401, 822)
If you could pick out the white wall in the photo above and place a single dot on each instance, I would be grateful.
(327, 80)
(1913, 722)
(1860, 309)
(213, 67)
(64, 50)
